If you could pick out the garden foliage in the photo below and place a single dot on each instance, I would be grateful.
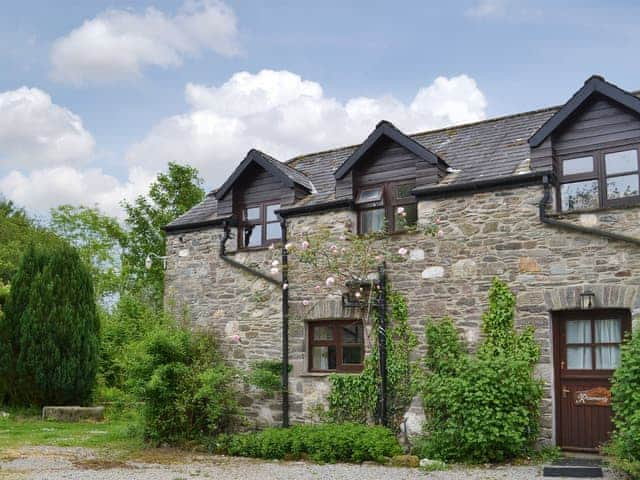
(483, 407)
(354, 398)
(267, 376)
(328, 443)
(49, 336)
(187, 391)
(625, 445)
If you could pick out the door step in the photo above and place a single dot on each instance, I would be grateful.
(574, 467)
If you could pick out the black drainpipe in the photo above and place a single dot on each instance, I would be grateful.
(285, 306)
(285, 325)
(544, 218)
(382, 341)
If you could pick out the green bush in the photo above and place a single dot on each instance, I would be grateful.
(4, 295)
(625, 444)
(327, 443)
(50, 331)
(482, 408)
(267, 376)
(188, 392)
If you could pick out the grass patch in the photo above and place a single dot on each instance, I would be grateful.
(119, 432)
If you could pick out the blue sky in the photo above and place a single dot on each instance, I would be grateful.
(118, 88)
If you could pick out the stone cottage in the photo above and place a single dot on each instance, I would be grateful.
(547, 200)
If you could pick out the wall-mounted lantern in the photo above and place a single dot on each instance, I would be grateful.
(148, 262)
(587, 300)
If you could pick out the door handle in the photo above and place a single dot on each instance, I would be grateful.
(565, 391)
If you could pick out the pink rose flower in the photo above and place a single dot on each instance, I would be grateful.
(235, 338)
(330, 282)
(402, 251)
(304, 245)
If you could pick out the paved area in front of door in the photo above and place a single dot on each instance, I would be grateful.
(51, 463)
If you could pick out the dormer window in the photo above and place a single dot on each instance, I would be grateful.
(600, 179)
(387, 207)
(260, 225)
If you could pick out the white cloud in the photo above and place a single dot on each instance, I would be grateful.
(42, 189)
(35, 132)
(285, 115)
(488, 8)
(118, 44)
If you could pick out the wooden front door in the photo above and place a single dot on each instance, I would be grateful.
(587, 351)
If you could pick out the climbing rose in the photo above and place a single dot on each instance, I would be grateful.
(235, 338)
(400, 210)
(305, 302)
(274, 270)
(330, 282)
(275, 263)
(288, 246)
(304, 245)
(317, 287)
(402, 251)
(440, 234)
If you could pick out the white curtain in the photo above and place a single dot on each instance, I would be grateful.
(578, 331)
(608, 331)
(320, 358)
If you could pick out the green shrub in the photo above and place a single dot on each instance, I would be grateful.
(188, 392)
(50, 331)
(625, 444)
(327, 443)
(481, 408)
(267, 376)
(4, 295)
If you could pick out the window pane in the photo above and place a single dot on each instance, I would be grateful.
(352, 354)
(322, 332)
(271, 212)
(369, 195)
(579, 358)
(410, 217)
(403, 191)
(578, 331)
(372, 220)
(352, 334)
(323, 358)
(608, 331)
(252, 213)
(274, 232)
(253, 235)
(624, 186)
(577, 165)
(619, 162)
(607, 357)
(579, 195)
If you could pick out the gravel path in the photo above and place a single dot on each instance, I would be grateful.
(49, 463)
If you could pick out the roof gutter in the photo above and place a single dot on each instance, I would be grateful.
(511, 181)
(304, 209)
(544, 218)
(191, 226)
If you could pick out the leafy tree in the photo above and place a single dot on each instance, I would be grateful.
(50, 333)
(172, 194)
(17, 232)
(99, 240)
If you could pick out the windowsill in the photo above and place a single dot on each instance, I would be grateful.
(325, 374)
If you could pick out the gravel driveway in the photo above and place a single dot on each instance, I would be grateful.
(49, 463)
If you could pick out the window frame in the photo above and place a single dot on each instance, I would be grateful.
(262, 221)
(388, 202)
(598, 174)
(338, 342)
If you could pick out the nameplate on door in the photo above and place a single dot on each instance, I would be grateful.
(596, 397)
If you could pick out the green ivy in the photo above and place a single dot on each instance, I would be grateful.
(354, 398)
(481, 408)
(267, 376)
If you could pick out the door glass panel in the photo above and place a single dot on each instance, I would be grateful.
(271, 213)
(352, 334)
(579, 195)
(607, 357)
(372, 221)
(609, 331)
(274, 232)
(322, 333)
(253, 236)
(620, 162)
(324, 358)
(579, 358)
(578, 331)
(352, 354)
(577, 165)
(623, 186)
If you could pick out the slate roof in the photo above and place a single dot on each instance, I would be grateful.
(482, 150)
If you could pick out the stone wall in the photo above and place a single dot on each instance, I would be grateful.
(483, 235)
